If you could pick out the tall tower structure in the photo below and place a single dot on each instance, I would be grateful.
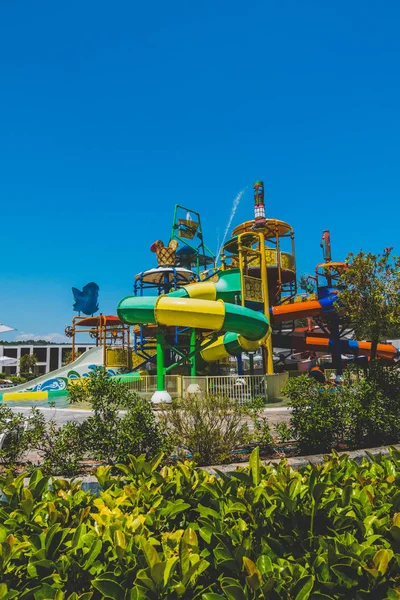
(259, 205)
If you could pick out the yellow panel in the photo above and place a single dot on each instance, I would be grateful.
(205, 291)
(253, 289)
(215, 351)
(271, 257)
(117, 357)
(247, 345)
(287, 260)
(185, 312)
(25, 396)
(139, 360)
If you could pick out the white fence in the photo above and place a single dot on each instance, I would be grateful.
(147, 385)
(239, 387)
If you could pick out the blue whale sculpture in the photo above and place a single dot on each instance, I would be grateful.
(86, 301)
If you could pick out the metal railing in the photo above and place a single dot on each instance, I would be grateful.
(237, 387)
(241, 387)
(147, 385)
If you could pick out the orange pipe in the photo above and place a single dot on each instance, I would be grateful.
(297, 310)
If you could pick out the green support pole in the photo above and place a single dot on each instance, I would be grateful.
(193, 360)
(251, 360)
(160, 360)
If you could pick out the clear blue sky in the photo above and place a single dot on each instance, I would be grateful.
(110, 113)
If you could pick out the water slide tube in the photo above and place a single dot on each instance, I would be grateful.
(302, 310)
(203, 306)
(325, 344)
(313, 308)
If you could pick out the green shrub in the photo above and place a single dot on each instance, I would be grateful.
(61, 448)
(284, 432)
(122, 423)
(328, 531)
(317, 418)
(21, 434)
(208, 427)
(17, 378)
(359, 413)
(261, 430)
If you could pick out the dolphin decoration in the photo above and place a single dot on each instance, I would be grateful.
(86, 301)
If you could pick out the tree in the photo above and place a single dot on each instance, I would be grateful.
(67, 357)
(370, 295)
(27, 363)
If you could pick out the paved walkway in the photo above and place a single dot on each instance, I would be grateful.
(63, 415)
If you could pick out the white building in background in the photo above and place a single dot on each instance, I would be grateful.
(49, 357)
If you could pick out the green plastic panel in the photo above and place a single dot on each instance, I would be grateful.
(181, 293)
(231, 343)
(249, 323)
(228, 285)
(136, 310)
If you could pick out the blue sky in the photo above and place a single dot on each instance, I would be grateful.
(110, 113)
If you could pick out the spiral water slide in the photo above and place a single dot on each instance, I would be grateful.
(206, 305)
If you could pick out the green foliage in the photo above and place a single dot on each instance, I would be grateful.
(306, 284)
(21, 433)
(27, 363)
(316, 419)
(122, 423)
(209, 427)
(284, 432)
(13, 378)
(261, 430)
(67, 356)
(101, 391)
(61, 448)
(328, 531)
(370, 295)
(359, 413)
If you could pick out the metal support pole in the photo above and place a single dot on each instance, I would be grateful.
(251, 363)
(160, 360)
(336, 349)
(239, 364)
(193, 360)
(264, 280)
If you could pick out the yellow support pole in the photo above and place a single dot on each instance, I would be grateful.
(264, 283)
(242, 250)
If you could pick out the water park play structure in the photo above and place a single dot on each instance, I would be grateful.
(111, 340)
(189, 312)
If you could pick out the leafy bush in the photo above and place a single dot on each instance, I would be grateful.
(13, 378)
(328, 531)
(261, 431)
(62, 448)
(17, 378)
(100, 390)
(21, 433)
(110, 435)
(209, 427)
(359, 413)
(317, 421)
(284, 432)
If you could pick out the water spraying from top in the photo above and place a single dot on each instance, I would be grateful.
(228, 226)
